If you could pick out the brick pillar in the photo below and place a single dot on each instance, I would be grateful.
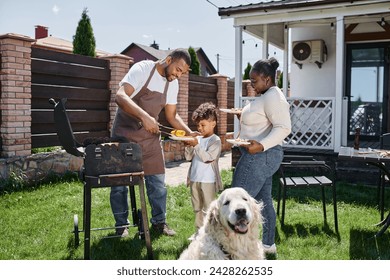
(119, 66)
(222, 102)
(182, 98)
(15, 95)
(246, 84)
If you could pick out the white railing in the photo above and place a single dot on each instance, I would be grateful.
(312, 122)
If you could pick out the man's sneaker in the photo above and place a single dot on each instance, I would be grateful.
(163, 229)
(122, 232)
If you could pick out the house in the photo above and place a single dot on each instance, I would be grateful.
(337, 54)
(141, 52)
(44, 41)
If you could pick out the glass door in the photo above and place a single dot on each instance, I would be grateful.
(366, 89)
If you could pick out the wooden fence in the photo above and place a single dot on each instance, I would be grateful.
(83, 80)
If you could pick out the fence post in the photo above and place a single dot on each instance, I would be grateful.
(182, 97)
(15, 92)
(119, 66)
(222, 95)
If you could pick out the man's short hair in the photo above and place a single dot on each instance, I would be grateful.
(181, 54)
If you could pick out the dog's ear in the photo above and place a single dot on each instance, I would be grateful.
(212, 216)
(256, 209)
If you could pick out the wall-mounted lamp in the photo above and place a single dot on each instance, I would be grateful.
(383, 22)
(285, 28)
(332, 26)
(250, 39)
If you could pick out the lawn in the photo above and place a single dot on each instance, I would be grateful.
(37, 224)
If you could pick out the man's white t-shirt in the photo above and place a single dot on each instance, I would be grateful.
(139, 74)
(200, 171)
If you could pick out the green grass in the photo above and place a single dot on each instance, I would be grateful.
(37, 224)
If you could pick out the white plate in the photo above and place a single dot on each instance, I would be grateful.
(231, 111)
(237, 142)
(184, 138)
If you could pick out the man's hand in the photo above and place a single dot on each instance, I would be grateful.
(150, 124)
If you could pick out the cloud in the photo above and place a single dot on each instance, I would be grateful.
(56, 10)
(146, 36)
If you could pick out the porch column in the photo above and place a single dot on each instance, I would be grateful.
(238, 74)
(339, 131)
(265, 41)
(285, 62)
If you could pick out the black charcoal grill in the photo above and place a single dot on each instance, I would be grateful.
(107, 163)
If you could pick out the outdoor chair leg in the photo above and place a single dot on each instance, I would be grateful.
(336, 223)
(283, 204)
(278, 204)
(323, 202)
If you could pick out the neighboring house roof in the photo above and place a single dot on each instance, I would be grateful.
(156, 54)
(280, 4)
(58, 44)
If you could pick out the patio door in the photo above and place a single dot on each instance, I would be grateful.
(367, 80)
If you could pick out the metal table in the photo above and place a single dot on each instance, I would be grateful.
(379, 159)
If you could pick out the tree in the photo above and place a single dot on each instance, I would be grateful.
(195, 64)
(246, 72)
(84, 40)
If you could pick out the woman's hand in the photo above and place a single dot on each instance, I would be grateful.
(254, 147)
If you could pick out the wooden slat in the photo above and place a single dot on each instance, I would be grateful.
(45, 128)
(74, 116)
(43, 103)
(212, 89)
(70, 58)
(324, 180)
(202, 79)
(37, 78)
(69, 70)
(39, 141)
(298, 181)
(82, 94)
(312, 181)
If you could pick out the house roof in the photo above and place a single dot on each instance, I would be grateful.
(158, 54)
(161, 54)
(55, 43)
(282, 4)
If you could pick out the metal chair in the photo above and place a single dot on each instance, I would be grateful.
(317, 175)
(383, 180)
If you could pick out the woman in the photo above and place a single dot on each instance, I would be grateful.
(265, 122)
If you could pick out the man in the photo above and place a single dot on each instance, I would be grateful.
(146, 89)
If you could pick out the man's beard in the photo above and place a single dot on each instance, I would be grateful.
(168, 76)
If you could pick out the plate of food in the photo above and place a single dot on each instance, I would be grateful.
(231, 110)
(180, 135)
(238, 141)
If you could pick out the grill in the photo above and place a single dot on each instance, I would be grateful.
(107, 163)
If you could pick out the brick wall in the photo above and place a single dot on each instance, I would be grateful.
(15, 90)
(119, 65)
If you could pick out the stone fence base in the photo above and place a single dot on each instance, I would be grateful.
(36, 167)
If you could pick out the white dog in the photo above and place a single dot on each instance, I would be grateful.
(230, 230)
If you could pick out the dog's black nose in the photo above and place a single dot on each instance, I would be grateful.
(241, 212)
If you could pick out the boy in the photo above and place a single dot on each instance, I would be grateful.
(204, 178)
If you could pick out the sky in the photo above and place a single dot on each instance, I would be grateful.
(118, 23)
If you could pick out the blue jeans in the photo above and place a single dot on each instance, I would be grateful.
(254, 174)
(157, 195)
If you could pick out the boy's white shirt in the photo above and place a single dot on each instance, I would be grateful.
(201, 171)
